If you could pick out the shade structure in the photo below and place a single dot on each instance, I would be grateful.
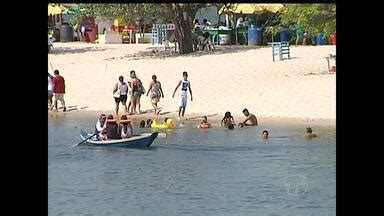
(73, 9)
(55, 9)
(250, 8)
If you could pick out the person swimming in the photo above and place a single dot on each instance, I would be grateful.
(227, 120)
(204, 123)
(149, 122)
(309, 134)
(142, 124)
(250, 117)
(264, 134)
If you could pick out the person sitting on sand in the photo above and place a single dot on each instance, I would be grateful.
(126, 130)
(204, 123)
(309, 133)
(142, 124)
(228, 120)
(250, 117)
(264, 134)
(112, 128)
(100, 127)
(149, 122)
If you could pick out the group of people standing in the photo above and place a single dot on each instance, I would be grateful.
(135, 89)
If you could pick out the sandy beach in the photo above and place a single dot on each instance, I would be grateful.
(229, 79)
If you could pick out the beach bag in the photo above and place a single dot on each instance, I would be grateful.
(117, 93)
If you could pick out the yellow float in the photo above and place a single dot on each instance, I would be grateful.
(166, 125)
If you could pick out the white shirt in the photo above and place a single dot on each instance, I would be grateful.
(184, 88)
(123, 89)
(239, 22)
(98, 126)
(50, 84)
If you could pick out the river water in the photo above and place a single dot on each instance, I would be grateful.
(193, 172)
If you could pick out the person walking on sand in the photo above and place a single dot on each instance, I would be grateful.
(120, 93)
(137, 90)
(185, 85)
(50, 94)
(156, 93)
(58, 90)
(250, 117)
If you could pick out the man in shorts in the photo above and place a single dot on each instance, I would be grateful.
(58, 90)
(185, 85)
(120, 93)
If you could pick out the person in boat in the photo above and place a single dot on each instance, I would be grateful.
(204, 123)
(126, 130)
(228, 120)
(112, 128)
(100, 127)
(264, 134)
(309, 134)
(142, 124)
(250, 118)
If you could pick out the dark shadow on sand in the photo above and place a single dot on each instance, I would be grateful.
(159, 52)
(71, 50)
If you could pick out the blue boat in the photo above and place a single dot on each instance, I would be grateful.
(137, 141)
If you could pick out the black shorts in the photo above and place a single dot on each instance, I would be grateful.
(122, 99)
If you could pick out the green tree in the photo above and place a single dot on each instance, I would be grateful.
(314, 18)
(181, 15)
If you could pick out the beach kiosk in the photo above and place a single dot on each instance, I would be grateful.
(255, 13)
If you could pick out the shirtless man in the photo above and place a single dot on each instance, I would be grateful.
(250, 117)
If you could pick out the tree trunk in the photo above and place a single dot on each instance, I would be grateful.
(183, 29)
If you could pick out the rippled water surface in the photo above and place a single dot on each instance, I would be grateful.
(193, 172)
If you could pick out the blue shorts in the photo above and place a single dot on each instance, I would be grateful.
(183, 101)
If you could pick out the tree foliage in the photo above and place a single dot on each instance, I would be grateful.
(314, 18)
(153, 13)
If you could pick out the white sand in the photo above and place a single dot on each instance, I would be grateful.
(230, 79)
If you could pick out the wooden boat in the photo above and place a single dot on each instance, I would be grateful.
(137, 141)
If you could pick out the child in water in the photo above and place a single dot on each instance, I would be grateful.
(149, 122)
(228, 121)
(204, 123)
(264, 134)
(309, 133)
(142, 124)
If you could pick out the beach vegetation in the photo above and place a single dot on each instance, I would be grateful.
(314, 18)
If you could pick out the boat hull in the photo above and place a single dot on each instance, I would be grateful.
(138, 141)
